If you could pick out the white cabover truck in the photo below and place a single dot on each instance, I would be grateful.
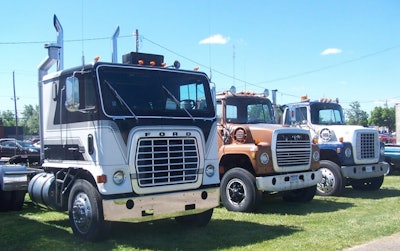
(132, 141)
(350, 155)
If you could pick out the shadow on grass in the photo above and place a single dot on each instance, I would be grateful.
(34, 229)
(317, 205)
(218, 234)
(383, 192)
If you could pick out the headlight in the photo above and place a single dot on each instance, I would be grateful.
(264, 158)
(119, 177)
(347, 152)
(315, 156)
(210, 170)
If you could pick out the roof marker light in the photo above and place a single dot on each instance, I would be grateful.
(232, 89)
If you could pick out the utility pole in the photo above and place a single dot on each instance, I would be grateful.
(15, 108)
(137, 40)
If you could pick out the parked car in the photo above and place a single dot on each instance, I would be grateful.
(19, 151)
(387, 138)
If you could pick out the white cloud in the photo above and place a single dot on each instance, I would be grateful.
(215, 39)
(331, 51)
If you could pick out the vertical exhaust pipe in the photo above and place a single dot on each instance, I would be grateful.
(55, 56)
(114, 54)
(60, 42)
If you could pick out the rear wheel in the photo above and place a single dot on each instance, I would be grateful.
(370, 184)
(86, 211)
(332, 183)
(238, 190)
(196, 220)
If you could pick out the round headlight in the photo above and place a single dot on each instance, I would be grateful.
(315, 156)
(210, 170)
(118, 177)
(347, 152)
(264, 158)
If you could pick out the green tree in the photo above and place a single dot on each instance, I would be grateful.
(384, 117)
(356, 116)
(8, 118)
(30, 119)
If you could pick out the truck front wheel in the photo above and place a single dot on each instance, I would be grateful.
(370, 184)
(332, 183)
(86, 211)
(238, 190)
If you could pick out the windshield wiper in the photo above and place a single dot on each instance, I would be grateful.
(176, 101)
(121, 100)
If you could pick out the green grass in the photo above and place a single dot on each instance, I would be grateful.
(326, 223)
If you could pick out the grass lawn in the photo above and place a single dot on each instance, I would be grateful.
(326, 223)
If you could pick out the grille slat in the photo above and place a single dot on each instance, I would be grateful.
(293, 149)
(166, 161)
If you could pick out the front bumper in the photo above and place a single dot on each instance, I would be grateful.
(289, 181)
(366, 171)
(161, 206)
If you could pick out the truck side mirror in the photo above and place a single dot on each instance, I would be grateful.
(72, 94)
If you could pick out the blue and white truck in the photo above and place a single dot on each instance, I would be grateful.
(350, 155)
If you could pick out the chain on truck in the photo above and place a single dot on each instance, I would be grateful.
(350, 155)
(125, 142)
(258, 156)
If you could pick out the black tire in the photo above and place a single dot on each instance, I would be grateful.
(238, 191)
(300, 195)
(17, 200)
(332, 183)
(86, 211)
(370, 184)
(196, 220)
(5, 200)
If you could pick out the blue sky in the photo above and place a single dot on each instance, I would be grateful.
(346, 49)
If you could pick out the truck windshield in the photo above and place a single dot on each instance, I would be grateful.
(327, 114)
(132, 92)
(249, 110)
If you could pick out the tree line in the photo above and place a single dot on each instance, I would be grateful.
(381, 117)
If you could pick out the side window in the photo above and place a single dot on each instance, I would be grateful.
(231, 113)
(301, 114)
(219, 112)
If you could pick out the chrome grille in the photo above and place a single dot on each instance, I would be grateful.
(166, 161)
(366, 146)
(293, 149)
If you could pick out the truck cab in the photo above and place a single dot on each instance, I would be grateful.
(350, 155)
(258, 156)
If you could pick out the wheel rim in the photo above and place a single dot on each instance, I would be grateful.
(236, 191)
(328, 181)
(82, 212)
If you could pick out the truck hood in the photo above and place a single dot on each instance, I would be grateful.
(264, 132)
(332, 133)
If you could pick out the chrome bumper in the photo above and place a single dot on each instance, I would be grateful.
(147, 208)
(13, 177)
(366, 171)
(290, 181)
